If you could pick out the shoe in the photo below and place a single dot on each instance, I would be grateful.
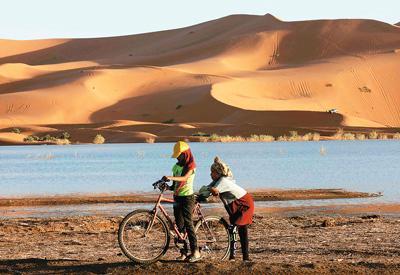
(182, 257)
(194, 257)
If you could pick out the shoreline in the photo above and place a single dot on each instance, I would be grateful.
(258, 195)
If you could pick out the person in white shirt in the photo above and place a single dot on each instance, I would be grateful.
(238, 202)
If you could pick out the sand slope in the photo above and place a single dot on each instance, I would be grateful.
(240, 74)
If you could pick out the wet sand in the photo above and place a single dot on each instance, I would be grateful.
(290, 244)
(258, 195)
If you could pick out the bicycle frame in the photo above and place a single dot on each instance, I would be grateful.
(172, 225)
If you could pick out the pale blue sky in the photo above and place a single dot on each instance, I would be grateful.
(34, 19)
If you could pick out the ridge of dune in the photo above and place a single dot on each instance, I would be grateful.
(14, 47)
(397, 24)
(233, 75)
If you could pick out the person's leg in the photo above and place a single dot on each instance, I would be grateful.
(179, 220)
(178, 213)
(187, 209)
(244, 241)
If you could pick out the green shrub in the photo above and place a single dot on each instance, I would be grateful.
(383, 136)
(365, 89)
(150, 140)
(266, 138)
(64, 135)
(339, 134)
(169, 121)
(283, 138)
(200, 134)
(349, 136)
(315, 137)
(99, 139)
(214, 138)
(360, 136)
(62, 141)
(16, 130)
(373, 135)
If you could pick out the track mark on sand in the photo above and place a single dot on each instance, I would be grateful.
(389, 100)
(273, 60)
(301, 89)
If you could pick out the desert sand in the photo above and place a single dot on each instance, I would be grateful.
(237, 75)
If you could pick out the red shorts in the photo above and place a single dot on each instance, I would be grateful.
(243, 208)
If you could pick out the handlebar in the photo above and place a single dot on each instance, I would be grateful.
(161, 185)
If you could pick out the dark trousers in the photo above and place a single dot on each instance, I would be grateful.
(244, 241)
(183, 212)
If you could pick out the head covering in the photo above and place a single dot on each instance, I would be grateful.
(179, 147)
(221, 168)
(187, 161)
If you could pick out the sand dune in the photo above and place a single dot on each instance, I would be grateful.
(241, 75)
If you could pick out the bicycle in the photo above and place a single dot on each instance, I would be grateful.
(144, 235)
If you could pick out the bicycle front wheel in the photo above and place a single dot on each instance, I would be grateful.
(213, 237)
(142, 240)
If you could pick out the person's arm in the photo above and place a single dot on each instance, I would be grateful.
(181, 178)
(214, 191)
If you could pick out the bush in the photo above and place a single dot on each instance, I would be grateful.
(339, 134)
(266, 138)
(373, 135)
(349, 136)
(360, 136)
(200, 134)
(178, 107)
(396, 136)
(99, 139)
(169, 121)
(62, 141)
(383, 136)
(315, 137)
(47, 138)
(150, 140)
(31, 138)
(214, 138)
(203, 139)
(64, 135)
(16, 130)
(365, 89)
(283, 138)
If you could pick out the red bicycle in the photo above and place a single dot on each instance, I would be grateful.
(144, 235)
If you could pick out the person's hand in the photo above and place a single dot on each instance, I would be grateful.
(214, 191)
(165, 178)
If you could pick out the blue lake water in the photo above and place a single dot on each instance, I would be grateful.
(369, 166)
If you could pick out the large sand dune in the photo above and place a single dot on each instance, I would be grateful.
(240, 75)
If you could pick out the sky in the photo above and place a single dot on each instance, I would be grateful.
(38, 19)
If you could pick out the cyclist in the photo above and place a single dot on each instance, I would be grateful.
(183, 177)
(238, 203)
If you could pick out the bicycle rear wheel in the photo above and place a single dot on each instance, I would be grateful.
(213, 237)
(141, 241)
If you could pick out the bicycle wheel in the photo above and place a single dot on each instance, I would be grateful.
(213, 237)
(140, 244)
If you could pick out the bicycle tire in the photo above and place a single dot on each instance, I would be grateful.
(138, 247)
(218, 245)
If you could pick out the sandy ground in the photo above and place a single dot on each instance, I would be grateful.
(300, 244)
(237, 75)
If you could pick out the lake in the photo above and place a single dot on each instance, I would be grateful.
(368, 166)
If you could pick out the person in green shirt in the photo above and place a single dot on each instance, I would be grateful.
(183, 176)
